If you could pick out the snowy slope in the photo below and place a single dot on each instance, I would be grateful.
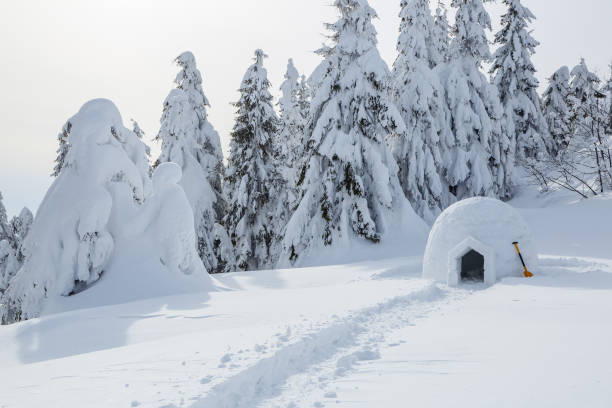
(370, 334)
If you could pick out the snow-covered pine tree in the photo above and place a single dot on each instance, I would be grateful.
(189, 140)
(418, 94)
(101, 215)
(141, 133)
(556, 110)
(480, 162)
(8, 259)
(4, 224)
(289, 140)
(440, 38)
(351, 189)
(513, 75)
(11, 244)
(589, 122)
(62, 149)
(608, 92)
(253, 180)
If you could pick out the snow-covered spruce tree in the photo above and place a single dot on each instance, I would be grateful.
(556, 110)
(62, 149)
(351, 189)
(69, 244)
(513, 75)
(189, 139)
(254, 183)
(418, 94)
(608, 92)
(104, 215)
(289, 140)
(589, 140)
(8, 259)
(440, 38)
(11, 245)
(480, 161)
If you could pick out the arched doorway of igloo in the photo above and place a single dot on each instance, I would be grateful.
(472, 267)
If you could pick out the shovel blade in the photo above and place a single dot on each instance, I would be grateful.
(528, 274)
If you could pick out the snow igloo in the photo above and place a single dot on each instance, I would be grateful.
(473, 241)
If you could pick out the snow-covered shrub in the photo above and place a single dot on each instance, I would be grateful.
(189, 140)
(584, 166)
(351, 189)
(101, 194)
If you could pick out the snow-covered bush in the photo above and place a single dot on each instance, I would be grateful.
(584, 166)
(514, 76)
(102, 192)
(254, 184)
(189, 140)
(351, 189)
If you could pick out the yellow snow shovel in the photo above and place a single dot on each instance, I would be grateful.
(526, 272)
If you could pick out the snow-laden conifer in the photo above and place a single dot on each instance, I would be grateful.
(103, 212)
(8, 259)
(189, 139)
(419, 96)
(440, 37)
(513, 75)
(62, 149)
(589, 126)
(11, 245)
(480, 161)
(557, 111)
(351, 189)
(253, 180)
(289, 140)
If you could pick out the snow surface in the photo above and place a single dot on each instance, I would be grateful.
(368, 334)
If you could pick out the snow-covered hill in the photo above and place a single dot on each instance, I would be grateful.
(368, 334)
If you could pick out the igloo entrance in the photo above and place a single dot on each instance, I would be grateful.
(472, 267)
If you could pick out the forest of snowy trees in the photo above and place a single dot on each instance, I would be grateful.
(352, 152)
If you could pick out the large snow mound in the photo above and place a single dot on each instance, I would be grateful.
(104, 222)
(486, 225)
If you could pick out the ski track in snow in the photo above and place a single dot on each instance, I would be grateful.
(314, 359)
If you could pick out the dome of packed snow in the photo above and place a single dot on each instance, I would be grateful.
(473, 240)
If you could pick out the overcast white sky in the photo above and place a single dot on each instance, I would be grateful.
(58, 54)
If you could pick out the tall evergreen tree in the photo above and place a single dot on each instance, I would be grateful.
(189, 140)
(589, 122)
(253, 180)
(480, 161)
(513, 75)
(4, 224)
(63, 148)
(557, 111)
(608, 91)
(420, 98)
(351, 189)
(293, 115)
(440, 38)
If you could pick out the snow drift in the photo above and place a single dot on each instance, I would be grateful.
(102, 210)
